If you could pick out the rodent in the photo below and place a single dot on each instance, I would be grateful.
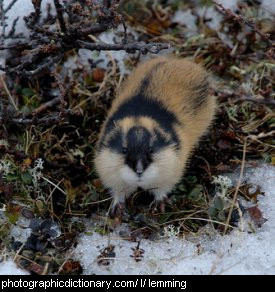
(154, 123)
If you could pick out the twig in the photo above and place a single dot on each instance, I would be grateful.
(263, 135)
(63, 91)
(37, 8)
(46, 268)
(237, 187)
(12, 46)
(266, 101)
(125, 38)
(12, 30)
(93, 29)
(48, 120)
(144, 48)
(239, 97)
(242, 20)
(44, 67)
(196, 218)
(43, 107)
(59, 11)
(8, 92)
(18, 252)
(10, 6)
(2, 22)
(47, 47)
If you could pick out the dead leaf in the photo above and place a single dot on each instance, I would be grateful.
(223, 167)
(107, 254)
(97, 183)
(71, 267)
(98, 74)
(35, 268)
(256, 215)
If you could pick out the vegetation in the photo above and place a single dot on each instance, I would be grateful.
(52, 104)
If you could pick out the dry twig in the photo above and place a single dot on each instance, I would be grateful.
(8, 92)
(240, 19)
(144, 48)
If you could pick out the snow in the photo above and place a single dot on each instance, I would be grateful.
(103, 57)
(9, 268)
(268, 7)
(204, 253)
(82, 58)
(25, 7)
(186, 18)
(20, 233)
(22, 8)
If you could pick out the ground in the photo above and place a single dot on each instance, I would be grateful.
(53, 206)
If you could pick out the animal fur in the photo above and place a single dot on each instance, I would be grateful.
(155, 121)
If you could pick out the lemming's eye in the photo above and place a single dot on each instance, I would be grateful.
(124, 150)
(150, 149)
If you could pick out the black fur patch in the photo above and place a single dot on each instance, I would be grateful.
(138, 138)
(115, 143)
(138, 147)
(148, 77)
(160, 141)
(138, 106)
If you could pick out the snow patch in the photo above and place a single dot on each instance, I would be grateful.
(207, 252)
(20, 9)
(9, 268)
(186, 18)
(21, 231)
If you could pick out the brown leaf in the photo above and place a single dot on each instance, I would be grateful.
(97, 183)
(14, 209)
(98, 74)
(71, 267)
(229, 134)
(107, 254)
(256, 215)
(223, 167)
(35, 268)
(154, 27)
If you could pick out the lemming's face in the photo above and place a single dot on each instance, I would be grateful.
(137, 156)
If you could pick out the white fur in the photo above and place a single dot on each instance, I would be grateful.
(146, 181)
(159, 178)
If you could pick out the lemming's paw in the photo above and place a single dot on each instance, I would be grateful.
(118, 211)
(158, 206)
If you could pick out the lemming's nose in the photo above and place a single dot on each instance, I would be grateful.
(139, 168)
(139, 172)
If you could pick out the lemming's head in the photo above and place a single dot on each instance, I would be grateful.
(135, 148)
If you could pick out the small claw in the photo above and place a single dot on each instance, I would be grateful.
(118, 211)
(162, 207)
(159, 206)
(167, 201)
